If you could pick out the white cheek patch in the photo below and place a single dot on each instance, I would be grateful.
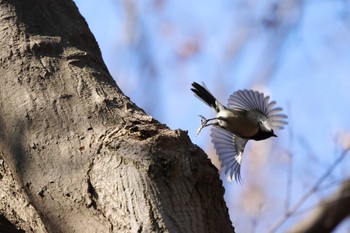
(265, 126)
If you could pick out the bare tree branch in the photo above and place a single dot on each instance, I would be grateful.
(329, 214)
(316, 186)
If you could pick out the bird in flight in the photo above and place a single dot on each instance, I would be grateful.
(249, 115)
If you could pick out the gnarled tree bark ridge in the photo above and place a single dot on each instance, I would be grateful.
(76, 155)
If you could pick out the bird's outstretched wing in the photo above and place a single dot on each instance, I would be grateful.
(230, 149)
(252, 100)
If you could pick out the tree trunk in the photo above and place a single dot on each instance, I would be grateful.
(76, 155)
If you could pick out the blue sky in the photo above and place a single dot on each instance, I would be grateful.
(156, 49)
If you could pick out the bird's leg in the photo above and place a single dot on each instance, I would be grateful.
(204, 123)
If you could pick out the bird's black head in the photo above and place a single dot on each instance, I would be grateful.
(262, 135)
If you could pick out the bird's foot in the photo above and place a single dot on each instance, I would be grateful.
(204, 122)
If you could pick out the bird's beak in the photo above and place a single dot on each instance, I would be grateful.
(274, 135)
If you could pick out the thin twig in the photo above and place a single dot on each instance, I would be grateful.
(309, 193)
(289, 182)
(290, 167)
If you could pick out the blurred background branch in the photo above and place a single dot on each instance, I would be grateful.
(312, 191)
(328, 214)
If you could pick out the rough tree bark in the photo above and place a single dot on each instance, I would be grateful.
(76, 155)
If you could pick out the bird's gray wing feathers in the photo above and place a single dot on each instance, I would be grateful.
(252, 100)
(230, 149)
